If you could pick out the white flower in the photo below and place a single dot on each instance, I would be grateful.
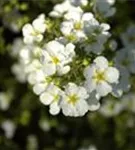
(5, 100)
(13, 23)
(60, 9)
(79, 2)
(16, 47)
(113, 45)
(128, 101)
(56, 57)
(74, 100)
(33, 66)
(111, 108)
(93, 101)
(32, 142)
(124, 84)
(45, 125)
(34, 33)
(29, 52)
(126, 58)
(40, 81)
(84, 28)
(128, 37)
(9, 127)
(73, 26)
(105, 7)
(97, 34)
(19, 70)
(99, 76)
(51, 97)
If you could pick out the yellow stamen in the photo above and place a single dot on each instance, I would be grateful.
(99, 76)
(78, 26)
(55, 60)
(72, 99)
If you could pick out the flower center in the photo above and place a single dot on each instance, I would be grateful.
(72, 99)
(55, 60)
(35, 33)
(77, 26)
(71, 37)
(99, 76)
(56, 97)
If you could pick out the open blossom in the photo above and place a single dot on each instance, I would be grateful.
(29, 52)
(19, 70)
(97, 35)
(79, 2)
(17, 45)
(124, 84)
(105, 7)
(99, 76)
(51, 96)
(84, 28)
(74, 24)
(53, 64)
(5, 100)
(74, 100)
(39, 80)
(128, 37)
(9, 128)
(60, 9)
(128, 101)
(125, 57)
(34, 32)
(56, 57)
(111, 107)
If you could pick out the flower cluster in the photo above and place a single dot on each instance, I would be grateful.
(64, 58)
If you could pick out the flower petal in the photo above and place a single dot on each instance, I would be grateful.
(103, 88)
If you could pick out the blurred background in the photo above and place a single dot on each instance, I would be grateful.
(25, 124)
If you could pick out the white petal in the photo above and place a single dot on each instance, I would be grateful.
(82, 93)
(27, 29)
(49, 69)
(28, 39)
(87, 16)
(32, 78)
(39, 88)
(105, 26)
(38, 38)
(74, 14)
(54, 108)
(94, 107)
(54, 47)
(61, 70)
(103, 88)
(66, 28)
(71, 88)
(39, 24)
(70, 50)
(101, 62)
(89, 71)
(81, 108)
(112, 75)
(46, 98)
(90, 85)
(93, 101)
